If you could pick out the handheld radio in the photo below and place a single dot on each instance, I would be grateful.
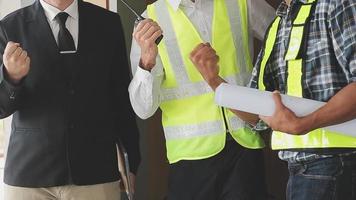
(139, 18)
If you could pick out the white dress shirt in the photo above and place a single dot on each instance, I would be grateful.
(72, 22)
(145, 86)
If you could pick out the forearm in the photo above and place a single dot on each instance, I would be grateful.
(9, 95)
(145, 85)
(144, 92)
(340, 108)
(8, 106)
(7, 103)
(250, 118)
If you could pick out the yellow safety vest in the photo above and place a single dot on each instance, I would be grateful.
(194, 126)
(320, 138)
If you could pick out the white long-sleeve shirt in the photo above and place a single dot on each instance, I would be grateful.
(145, 86)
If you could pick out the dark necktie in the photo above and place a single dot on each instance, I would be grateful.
(65, 39)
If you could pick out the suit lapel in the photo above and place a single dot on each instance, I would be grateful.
(44, 36)
(84, 31)
(83, 26)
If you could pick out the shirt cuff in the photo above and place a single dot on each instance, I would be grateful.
(261, 126)
(143, 74)
(353, 70)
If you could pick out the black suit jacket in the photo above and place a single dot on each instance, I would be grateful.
(67, 119)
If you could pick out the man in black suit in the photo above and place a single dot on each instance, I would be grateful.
(64, 77)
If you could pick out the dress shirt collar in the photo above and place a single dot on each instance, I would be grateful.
(303, 1)
(283, 8)
(51, 11)
(176, 3)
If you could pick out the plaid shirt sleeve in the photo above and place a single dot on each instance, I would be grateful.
(353, 65)
(255, 73)
(342, 23)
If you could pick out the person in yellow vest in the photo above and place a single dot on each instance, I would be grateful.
(309, 52)
(212, 153)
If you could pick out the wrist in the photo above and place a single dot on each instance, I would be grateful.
(215, 82)
(147, 65)
(305, 124)
(15, 80)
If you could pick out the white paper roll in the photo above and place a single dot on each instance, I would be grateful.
(261, 103)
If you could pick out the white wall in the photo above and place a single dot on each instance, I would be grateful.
(8, 6)
(26, 2)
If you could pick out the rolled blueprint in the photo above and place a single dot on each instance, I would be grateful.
(261, 103)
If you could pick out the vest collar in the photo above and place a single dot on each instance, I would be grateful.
(282, 10)
(176, 3)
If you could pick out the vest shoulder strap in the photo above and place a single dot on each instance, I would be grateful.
(298, 37)
(270, 40)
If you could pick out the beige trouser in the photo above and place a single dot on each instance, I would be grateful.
(107, 191)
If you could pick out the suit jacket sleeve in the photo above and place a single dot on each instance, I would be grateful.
(9, 93)
(121, 78)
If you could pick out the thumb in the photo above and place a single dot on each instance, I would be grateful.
(277, 100)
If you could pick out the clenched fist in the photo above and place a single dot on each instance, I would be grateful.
(206, 60)
(16, 62)
(145, 34)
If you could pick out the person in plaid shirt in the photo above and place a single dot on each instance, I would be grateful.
(329, 75)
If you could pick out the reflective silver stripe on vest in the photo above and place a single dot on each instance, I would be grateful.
(239, 79)
(185, 91)
(185, 87)
(204, 129)
(189, 131)
(175, 58)
(236, 123)
(233, 9)
(196, 89)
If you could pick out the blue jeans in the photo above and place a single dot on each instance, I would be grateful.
(331, 178)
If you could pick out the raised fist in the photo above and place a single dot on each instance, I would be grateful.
(145, 34)
(16, 62)
(206, 60)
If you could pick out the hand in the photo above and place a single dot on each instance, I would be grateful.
(123, 184)
(133, 182)
(145, 35)
(284, 120)
(16, 62)
(206, 60)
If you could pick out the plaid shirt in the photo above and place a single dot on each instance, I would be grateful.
(330, 58)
